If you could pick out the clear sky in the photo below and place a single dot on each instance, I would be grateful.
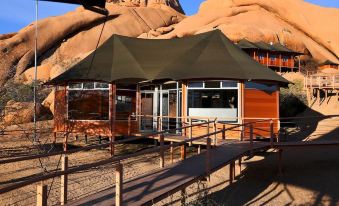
(15, 14)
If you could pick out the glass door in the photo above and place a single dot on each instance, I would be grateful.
(147, 109)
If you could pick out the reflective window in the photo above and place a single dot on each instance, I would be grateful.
(87, 101)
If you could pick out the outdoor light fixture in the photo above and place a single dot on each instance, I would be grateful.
(97, 6)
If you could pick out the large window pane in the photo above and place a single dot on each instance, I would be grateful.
(88, 104)
(214, 103)
(195, 84)
(229, 83)
(213, 98)
(212, 84)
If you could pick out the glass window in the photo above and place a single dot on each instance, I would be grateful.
(285, 59)
(261, 57)
(273, 57)
(88, 85)
(226, 84)
(213, 98)
(195, 84)
(75, 86)
(212, 84)
(261, 86)
(99, 85)
(88, 104)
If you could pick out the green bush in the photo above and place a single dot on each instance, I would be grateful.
(20, 93)
(292, 99)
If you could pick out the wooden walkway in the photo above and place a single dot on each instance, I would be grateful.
(150, 188)
(202, 141)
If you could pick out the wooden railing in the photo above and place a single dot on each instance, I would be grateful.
(322, 81)
(65, 170)
(116, 160)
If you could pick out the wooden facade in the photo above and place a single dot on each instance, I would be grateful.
(274, 56)
(253, 104)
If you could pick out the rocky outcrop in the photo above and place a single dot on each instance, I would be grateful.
(299, 25)
(20, 112)
(64, 38)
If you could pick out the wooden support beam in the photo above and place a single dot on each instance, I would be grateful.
(208, 127)
(113, 115)
(65, 142)
(41, 199)
(231, 172)
(118, 184)
(271, 133)
(161, 151)
(86, 140)
(191, 131)
(64, 180)
(215, 130)
(183, 152)
(129, 126)
(239, 164)
(208, 158)
(223, 132)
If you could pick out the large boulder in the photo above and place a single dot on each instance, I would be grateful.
(62, 38)
(301, 26)
(20, 112)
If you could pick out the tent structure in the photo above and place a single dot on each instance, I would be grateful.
(208, 55)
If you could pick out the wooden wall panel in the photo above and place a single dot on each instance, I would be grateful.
(260, 104)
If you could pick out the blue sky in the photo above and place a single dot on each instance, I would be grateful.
(15, 14)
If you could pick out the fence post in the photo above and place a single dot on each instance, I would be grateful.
(161, 151)
(223, 132)
(271, 132)
(242, 132)
(129, 125)
(251, 140)
(208, 157)
(41, 199)
(54, 137)
(199, 149)
(191, 131)
(118, 184)
(64, 179)
(112, 139)
(65, 142)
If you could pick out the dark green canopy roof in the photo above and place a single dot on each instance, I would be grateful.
(245, 44)
(209, 55)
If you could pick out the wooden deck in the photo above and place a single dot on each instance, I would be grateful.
(150, 188)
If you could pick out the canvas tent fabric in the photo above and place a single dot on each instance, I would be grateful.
(208, 55)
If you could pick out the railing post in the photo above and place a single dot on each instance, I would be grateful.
(172, 152)
(208, 157)
(118, 184)
(158, 124)
(215, 130)
(112, 138)
(271, 133)
(129, 125)
(64, 180)
(208, 127)
(65, 142)
(199, 149)
(183, 152)
(251, 140)
(223, 132)
(41, 199)
(54, 137)
(161, 151)
(191, 131)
